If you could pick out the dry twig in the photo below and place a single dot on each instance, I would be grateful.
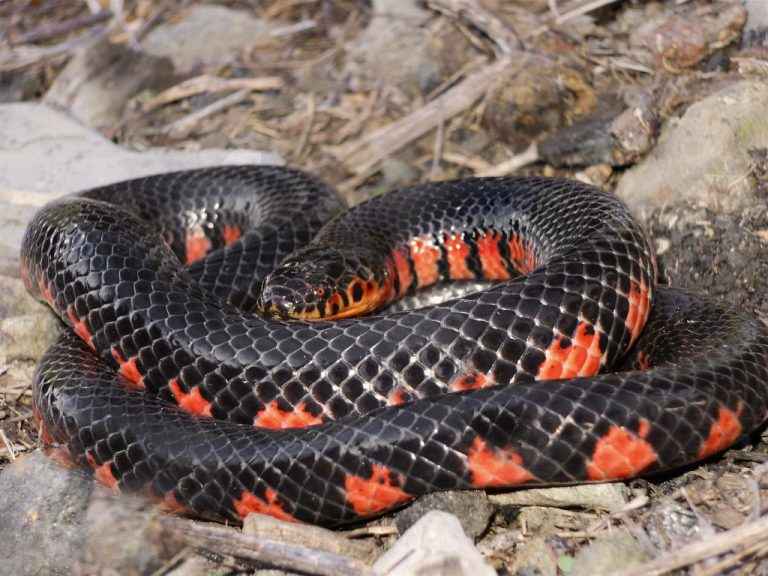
(528, 156)
(24, 56)
(183, 126)
(293, 557)
(206, 83)
(51, 30)
(315, 537)
(361, 155)
(505, 39)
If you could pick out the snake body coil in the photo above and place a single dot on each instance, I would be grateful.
(190, 380)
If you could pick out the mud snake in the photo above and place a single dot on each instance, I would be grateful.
(189, 382)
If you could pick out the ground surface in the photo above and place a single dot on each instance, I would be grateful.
(664, 102)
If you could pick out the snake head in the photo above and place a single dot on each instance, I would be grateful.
(319, 283)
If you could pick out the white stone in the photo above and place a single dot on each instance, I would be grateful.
(45, 154)
(435, 544)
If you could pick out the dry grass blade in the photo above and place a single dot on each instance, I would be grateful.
(210, 84)
(183, 126)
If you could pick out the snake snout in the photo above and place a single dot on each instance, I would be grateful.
(303, 286)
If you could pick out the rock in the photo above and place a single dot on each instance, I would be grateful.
(534, 556)
(583, 143)
(473, 510)
(27, 337)
(14, 300)
(99, 80)
(501, 545)
(609, 555)
(704, 157)
(206, 36)
(675, 40)
(45, 154)
(434, 545)
(42, 516)
(534, 100)
(199, 566)
(609, 497)
(397, 48)
(396, 173)
(27, 329)
(124, 535)
(756, 28)
(672, 523)
(614, 135)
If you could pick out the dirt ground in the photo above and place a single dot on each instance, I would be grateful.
(363, 120)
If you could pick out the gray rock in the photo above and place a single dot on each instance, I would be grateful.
(704, 157)
(199, 566)
(99, 80)
(27, 337)
(27, 328)
(207, 35)
(397, 173)
(473, 510)
(42, 516)
(534, 556)
(756, 28)
(46, 154)
(394, 49)
(609, 555)
(14, 299)
(435, 545)
(124, 536)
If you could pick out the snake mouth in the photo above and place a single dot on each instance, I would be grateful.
(361, 297)
(321, 283)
